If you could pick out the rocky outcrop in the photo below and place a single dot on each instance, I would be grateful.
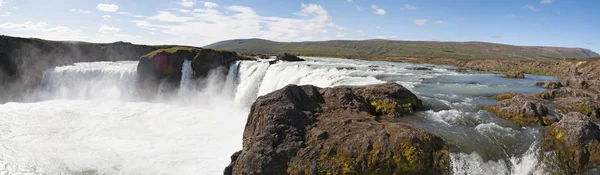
(505, 96)
(340, 130)
(550, 84)
(23, 60)
(571, 145)
(522, 110)
(163, 67)
(288, 57)
(513, 74)
(568, 100)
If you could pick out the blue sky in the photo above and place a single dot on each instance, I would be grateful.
(567, 23)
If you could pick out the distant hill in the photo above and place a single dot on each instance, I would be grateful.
(390, 48)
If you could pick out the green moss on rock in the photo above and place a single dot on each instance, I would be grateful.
(505, 96)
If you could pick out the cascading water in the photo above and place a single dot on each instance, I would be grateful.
(99, 80)
(88, 119)
(187, 74)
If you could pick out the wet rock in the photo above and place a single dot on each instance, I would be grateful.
(550, 84)
(573, 100)
(513, 74)
(289, 57)
(310, 130)
(164, 66)
(571, 145)
(520, 110)
(419, 68)
(506, 95)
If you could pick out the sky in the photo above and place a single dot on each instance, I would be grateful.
(565, 23)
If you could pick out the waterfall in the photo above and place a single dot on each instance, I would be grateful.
(94, 80)
(232, 78)
(260, 78)
(251, 75)
(187, 75)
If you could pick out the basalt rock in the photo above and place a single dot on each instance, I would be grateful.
(521, 110)
(163, 67)
(289, 57)
(512, 74)
(310, 130)
(550, 84)
(576, 82)
(571, 145)
(573, 100)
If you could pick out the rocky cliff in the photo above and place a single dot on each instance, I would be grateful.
(23, 60)
(340, 130)
(163, 67)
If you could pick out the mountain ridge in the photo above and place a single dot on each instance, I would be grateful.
(399, 48)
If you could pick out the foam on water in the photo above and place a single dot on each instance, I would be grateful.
(86, 117)
(112, 137)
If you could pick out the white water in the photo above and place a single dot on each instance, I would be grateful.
(87, 117)
(187, 74)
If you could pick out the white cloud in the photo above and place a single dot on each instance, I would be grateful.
(530, 7)
(169, 17)
(587, 42)
(5, 14)
(512, 16)
(105, 29)
(439, 22)
(1, 2)
(359, 31)
(16, 8)
(351, 1)
(377, 10)
(233, 22)
(81, 11)
(210, 5)
(409, 7)
(358, 8)
(547, 1)
(130, 14)
(378, 27)
(106, 16)
(42, 30)
(420, 22)
(187, 3)
(107, 7)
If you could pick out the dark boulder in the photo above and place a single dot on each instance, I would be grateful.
(310, 130)
(520, 110)
(289, 57)
(513, 74)
(571, 145)
(419, 68)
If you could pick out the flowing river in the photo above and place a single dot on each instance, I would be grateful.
(87, 118)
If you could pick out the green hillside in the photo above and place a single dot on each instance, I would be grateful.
(389, 48)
